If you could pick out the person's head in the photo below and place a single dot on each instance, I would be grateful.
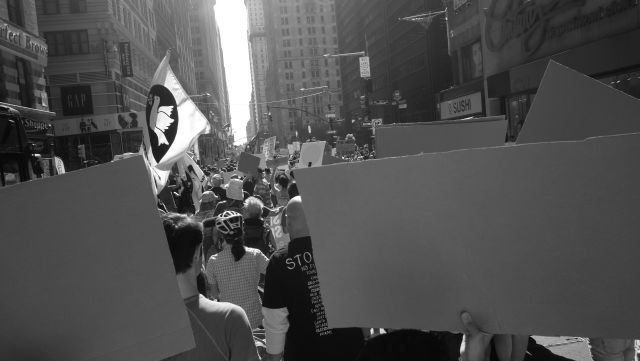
(184, 235)
(282, 180)
(296, 222)
(217, 180)
(248, 185)
(208, 201)
(252, 208)
(229, 225)
(292, 190)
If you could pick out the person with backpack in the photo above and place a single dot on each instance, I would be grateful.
(234, 273)
(257, 234)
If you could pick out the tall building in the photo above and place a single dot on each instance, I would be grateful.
(211, 85)
(102, 56)
(24, 53)
(303, 87)
(259, 60)
(409, 62)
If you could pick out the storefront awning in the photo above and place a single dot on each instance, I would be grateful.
(35, 121)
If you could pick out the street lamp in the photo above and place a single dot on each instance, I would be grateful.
(359, 53)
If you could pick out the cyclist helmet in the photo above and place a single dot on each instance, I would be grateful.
(229, 222)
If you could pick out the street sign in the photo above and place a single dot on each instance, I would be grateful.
(331, 115)
(366, 124)
(331, 132)
(376, 122)
(365, 69)
(402, 104)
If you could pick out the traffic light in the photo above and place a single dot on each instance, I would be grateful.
(269, 114)
(81, 152)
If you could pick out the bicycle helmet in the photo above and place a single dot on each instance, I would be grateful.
(229, 222)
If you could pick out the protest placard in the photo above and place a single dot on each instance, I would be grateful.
(269, 147)
(311, 154)
(296, 146)
(278, 162)
(396, 140)
(99, 282)
(283, 152)
(572, 106)
(248, 163)
(263, 160)
(553, 258)
(290, 149)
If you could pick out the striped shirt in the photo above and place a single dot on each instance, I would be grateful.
(237, 282)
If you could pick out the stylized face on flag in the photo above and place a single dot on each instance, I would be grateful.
(162, 120)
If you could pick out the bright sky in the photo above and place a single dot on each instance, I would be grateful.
(232, 21)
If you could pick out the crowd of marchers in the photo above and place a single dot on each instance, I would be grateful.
(250, 298)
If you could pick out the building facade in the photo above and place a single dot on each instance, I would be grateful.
(259, 60)
(23, 55)
(409, 62)
(102, 57)
(211, 83)
(304, 88)
(499, 60)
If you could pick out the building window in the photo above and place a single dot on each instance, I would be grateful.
(15, 12)
(78, 6)
(471, 57)
(24, 82)
(67, 42)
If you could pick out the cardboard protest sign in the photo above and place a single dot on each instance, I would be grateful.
(573, 106)
(553, 258)
(98, 282)
(278, 162)
(296, 146)
(430, 137)
(311, 154)
(290, 149)
(263, 160)
(269, 147)
(283, 152)
(281, 238)
(248, 163)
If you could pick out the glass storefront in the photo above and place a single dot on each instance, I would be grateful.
(100, 147)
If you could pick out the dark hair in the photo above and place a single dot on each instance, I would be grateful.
(291, 174)
(292, 190)
(236, 240)
(403, 345)
(282, 180)
(248, 185)
(184, 235)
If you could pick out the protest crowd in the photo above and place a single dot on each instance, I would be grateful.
(252, 295)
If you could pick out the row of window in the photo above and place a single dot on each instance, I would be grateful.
(308, 8)
(311, 52)
(312, 73)
(311, 20)
(310, 31)
(52, 7)
(314, 63)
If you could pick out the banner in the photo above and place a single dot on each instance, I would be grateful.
(126, 66)
(281, 238)
(76, 100)
(189, 167)
(173, 122)
(269, 147)
(116, 247)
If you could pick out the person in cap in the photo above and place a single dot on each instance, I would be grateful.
(294, 319)
(234, 200)
(216, 183)
(234, 272)
(262, 188)
(221, 330)
(207, 206)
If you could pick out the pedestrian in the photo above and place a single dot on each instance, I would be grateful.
(280, 189)
(234, 273)
(294, 318)
(257, 234)
(221, 330)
